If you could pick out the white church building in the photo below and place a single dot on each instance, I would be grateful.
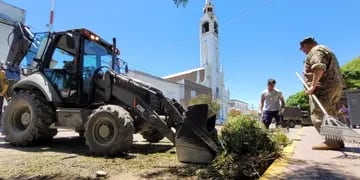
(207, 79)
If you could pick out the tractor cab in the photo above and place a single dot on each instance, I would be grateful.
(71, 61)
(68, 60)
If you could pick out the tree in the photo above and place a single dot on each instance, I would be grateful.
(351, 72)
(214, 106)
(299, 99)
(234, 113)
(180, 2)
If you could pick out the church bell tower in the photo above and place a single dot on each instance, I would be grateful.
(209, 49)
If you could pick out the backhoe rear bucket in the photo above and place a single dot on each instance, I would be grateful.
(196, 141)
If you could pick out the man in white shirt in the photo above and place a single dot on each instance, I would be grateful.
(272, 101)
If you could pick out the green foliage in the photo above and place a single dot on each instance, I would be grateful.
(180, 2)
(351, 72)
(299, 99)
(214, 106)
(279, 137)
(245, 130)
(234, 113)
(249, 148)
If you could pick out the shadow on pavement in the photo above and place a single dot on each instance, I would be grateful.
(313, 170)
(350, 153)
(348, 156)
(351, 150)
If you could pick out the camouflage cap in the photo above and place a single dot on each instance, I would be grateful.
(307, 40)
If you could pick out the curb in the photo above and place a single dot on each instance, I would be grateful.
(276, 168)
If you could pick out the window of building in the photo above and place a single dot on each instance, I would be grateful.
(208, 9)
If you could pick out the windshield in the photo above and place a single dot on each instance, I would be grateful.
(96, 55)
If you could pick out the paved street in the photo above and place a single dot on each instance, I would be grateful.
(305, 163)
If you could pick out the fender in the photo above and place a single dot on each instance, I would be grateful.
(40, 82)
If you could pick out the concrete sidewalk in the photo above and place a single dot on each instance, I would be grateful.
(301, 162)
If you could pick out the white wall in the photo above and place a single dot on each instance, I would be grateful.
(5, 31)
(169, 89)
(9, 14)
(239, 105)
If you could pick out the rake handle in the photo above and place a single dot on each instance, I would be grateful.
(313, 95)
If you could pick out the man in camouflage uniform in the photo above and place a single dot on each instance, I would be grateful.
(322, 75)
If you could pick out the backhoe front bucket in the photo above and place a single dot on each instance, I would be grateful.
(196, 141)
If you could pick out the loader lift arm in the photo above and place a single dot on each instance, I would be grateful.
(193, 139)
(19, 45)
(139, 98)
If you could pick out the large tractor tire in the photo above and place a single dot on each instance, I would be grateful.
(152, 135)
(109, 130)
(27, 119)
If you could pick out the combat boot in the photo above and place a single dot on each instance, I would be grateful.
(329, 145)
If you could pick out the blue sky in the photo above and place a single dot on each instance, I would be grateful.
(259, 39)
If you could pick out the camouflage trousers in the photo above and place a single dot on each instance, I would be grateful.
(329, 99)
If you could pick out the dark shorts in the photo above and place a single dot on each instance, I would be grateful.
(268, 116)
(1, 103)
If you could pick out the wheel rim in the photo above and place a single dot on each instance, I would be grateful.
(104, 130)
(21, 118)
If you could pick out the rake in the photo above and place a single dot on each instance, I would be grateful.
(332, 128)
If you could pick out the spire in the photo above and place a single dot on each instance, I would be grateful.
(208, 6)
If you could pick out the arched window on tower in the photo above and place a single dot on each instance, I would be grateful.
(216, 28)
(208, 9)
(205, 27)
